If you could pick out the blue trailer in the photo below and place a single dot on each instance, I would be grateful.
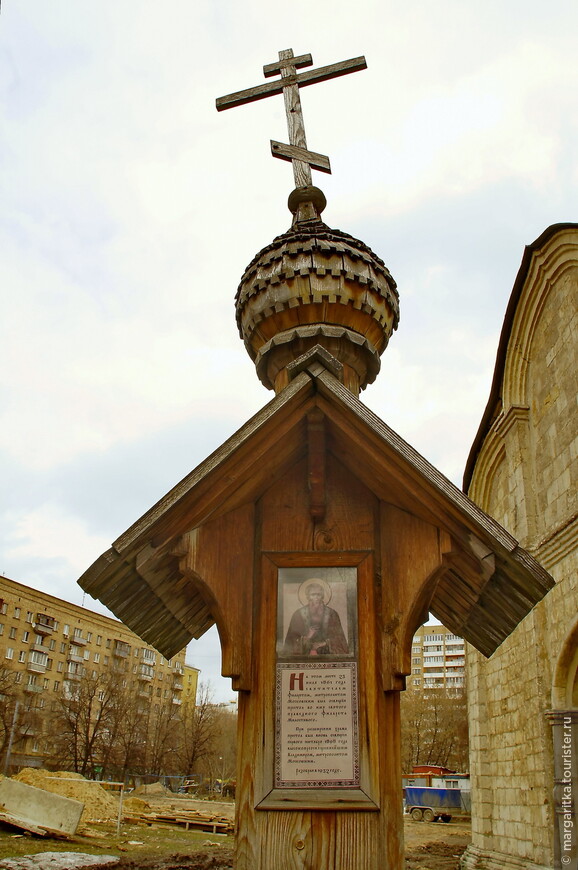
(431, 804)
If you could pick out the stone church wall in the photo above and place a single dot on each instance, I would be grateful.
(526, 476)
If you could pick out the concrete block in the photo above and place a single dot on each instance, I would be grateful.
(31, 807)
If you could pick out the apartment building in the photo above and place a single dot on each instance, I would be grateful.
(438, 659)
(51, 644)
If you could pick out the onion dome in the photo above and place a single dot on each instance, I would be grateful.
(314, 285)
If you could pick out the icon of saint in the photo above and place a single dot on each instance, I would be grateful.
(315, 628)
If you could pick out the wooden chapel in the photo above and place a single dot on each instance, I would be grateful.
(318, 541)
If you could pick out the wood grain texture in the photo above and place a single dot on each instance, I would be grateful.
(292, 152)
(411, 563)
(220, 560)
(271, 69)
(327, 836)
(316, 464)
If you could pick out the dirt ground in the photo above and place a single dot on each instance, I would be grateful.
(429, 846)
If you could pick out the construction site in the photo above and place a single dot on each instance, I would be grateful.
(155, 829)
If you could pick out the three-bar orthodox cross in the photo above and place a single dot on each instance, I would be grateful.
(289, 83)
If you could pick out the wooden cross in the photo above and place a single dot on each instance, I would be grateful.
(289, 83)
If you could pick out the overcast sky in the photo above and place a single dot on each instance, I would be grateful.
(129, 208)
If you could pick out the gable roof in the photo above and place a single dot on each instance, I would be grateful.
(490, 584)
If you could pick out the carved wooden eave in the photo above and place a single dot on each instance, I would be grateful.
(484, 585)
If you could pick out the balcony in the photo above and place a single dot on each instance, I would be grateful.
(176, 700)
(44, 624)
(35, 668)
(28, 731)
(32, 687)
(121, 649)
(74, 657)
(146, 673)
(79, 640)
(177, 685)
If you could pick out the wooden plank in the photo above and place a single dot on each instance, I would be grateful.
(271, 69)
(293, 152)
(267, 89)
(295, 123)
(316, 464)
(333, 71)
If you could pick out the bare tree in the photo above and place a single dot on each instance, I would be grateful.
(434, 729)
(201, 729)
(81, 726)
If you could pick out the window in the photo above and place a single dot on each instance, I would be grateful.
(1, 628)
(4, 608)
(12, 633)
(60, 667)
(38, 639)
(158, 692)
(98, 639)
(87, 655)
(78, 632)
(88, 636)
(148, 655)
(101, 695)
(96, 658)
(105, 660)
(16, 613)
(62, 647)
(25, 636)
(29, 616)
(9, 652)
(22, 655)
(37, 658)
(108, 642)
(18, 677)
(56, 685)
(32, 680)
(52, 644)
(65, 630)
(46, 683)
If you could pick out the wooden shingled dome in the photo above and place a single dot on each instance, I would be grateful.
(316, 286)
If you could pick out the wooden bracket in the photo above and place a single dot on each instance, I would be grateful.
(316, 463)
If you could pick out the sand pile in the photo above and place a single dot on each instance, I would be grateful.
(135, 805)
(155, 788)
(99, 805)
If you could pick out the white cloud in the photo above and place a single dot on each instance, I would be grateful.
(129, 208)
(47, 533)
